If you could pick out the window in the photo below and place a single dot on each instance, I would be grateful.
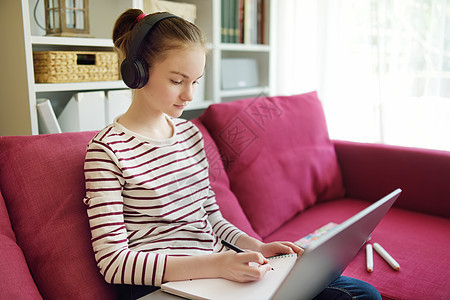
(381, 67)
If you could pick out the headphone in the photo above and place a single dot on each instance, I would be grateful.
(134, 69)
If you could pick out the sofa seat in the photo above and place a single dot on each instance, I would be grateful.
(315, 217)
(420, 245)
(424, 265)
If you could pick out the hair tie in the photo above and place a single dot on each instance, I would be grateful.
(140, 17)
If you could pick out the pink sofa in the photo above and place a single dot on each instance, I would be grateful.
(277, 176)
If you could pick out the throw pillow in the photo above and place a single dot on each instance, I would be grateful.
(278, 156)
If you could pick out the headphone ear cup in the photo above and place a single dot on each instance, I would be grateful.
(142, 66)
(134, 72)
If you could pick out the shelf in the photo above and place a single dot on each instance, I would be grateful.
(245, 92)
(244, 47)
(80, 86)
(71, 41)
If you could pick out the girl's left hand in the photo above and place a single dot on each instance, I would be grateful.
(279, 248)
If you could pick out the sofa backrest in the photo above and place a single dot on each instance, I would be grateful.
(15, 277)
(42, 181)
(422, 174)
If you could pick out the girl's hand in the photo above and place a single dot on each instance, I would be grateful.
(242, 267)
(269, 249)
(279, 248)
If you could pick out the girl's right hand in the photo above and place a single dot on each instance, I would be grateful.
(242, 267)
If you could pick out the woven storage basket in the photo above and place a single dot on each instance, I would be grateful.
(75, 66)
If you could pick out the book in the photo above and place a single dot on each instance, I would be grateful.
(260, 22)
(219, 288)
(48, 123)
(305, 241)
(242, 21)
(223, 21)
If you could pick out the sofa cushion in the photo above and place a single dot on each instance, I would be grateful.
(417, 241)
(315, 217)
(42, 182)
(227, 201)
(15, 277)
(277, 154)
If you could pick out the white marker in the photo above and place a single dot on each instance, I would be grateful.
(391, 261)
(369, 258)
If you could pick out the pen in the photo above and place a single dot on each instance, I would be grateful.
(233, 247)
(369, 258)
(389, 259)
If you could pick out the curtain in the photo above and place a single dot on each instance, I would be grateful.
(381, 67)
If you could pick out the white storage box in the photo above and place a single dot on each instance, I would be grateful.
(239, 73)
(83, 112)
(117, 103)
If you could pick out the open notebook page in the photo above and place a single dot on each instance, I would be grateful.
(218, 288)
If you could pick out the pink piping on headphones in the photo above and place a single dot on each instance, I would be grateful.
(140, 17)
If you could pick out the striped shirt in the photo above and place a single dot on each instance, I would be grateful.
(148, 199)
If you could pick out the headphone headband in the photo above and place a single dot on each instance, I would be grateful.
(134, 70)
(147, 24)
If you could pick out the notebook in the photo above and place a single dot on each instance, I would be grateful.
(303, 278)
(217, 288)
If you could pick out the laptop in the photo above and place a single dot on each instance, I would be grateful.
(320, 264)
(326, 258)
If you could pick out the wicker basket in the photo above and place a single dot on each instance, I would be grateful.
(75, 66)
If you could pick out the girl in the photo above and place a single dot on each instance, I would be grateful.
(152, 213)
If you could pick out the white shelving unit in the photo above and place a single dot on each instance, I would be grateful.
(18, 92)
(79, 86)
(48, 41)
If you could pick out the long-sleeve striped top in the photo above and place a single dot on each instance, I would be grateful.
(148, 199)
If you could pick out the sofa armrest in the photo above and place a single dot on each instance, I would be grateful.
(372, 170)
